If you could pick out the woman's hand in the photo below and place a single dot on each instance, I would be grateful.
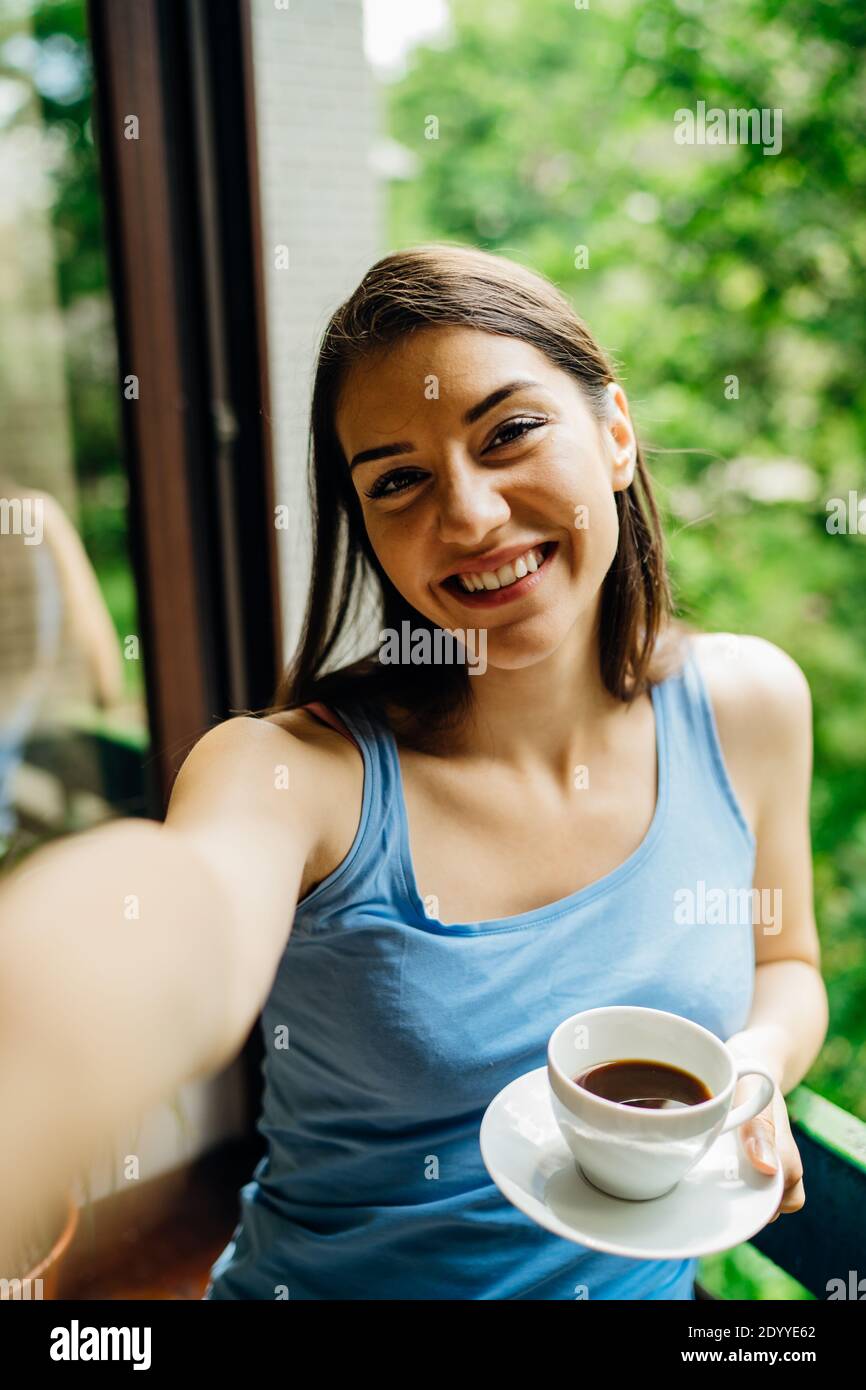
(767, 1142)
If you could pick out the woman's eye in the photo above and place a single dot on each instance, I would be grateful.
(399, 479)
(380, 487)
(521, 426)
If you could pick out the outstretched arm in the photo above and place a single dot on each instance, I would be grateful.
(136, 956)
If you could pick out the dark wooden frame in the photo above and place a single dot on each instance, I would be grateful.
(183, 229)
(183, 233)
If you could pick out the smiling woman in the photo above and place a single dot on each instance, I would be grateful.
(414, 872)
(496, 853)
(450, 381)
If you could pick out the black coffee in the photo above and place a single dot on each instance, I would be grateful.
(647, 1085)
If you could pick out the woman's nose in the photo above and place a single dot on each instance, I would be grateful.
(470, 505)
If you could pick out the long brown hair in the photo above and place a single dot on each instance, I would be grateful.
(444, 284)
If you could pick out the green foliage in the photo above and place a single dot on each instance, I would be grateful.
(746, 1274)
(52, 59)
(556, 131)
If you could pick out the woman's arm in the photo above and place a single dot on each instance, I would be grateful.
(83, 601)
(136, 956)
(98, 1018)
(768, 744)
(764, 715)
(787, 1022)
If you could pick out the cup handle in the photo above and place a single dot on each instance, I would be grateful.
(762, 1097)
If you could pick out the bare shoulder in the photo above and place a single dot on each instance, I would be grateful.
(320, 746)
(760, 698)
(270, 775)
(334, 779)
(302, 737)
(242, 760)
(750, 673)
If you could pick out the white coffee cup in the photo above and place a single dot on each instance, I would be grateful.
(625, 1150)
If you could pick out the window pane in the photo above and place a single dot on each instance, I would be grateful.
(73, 726)
(321, 204)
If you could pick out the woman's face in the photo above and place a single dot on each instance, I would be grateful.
(460, 470)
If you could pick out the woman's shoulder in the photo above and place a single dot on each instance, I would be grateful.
(333, 785)
(749, 675)
(762, 707)
(253, 750)
(324, 747)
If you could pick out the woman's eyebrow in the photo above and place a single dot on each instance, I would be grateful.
(472, 414)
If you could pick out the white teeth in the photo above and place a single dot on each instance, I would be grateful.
(505, 575)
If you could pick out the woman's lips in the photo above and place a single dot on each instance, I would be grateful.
(495, 598)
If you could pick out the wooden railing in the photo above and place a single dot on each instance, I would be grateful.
(825, 1242)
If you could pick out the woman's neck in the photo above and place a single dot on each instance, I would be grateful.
(547, 712)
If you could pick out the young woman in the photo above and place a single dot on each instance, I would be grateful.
(419, 869)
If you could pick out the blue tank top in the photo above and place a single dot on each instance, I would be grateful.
(387, 1033)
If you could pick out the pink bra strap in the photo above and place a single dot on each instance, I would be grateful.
(322, 712)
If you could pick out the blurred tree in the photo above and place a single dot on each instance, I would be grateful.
(44, 52)
(702, 263)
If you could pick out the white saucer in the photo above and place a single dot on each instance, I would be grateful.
(531, 1164)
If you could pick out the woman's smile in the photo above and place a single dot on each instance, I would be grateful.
(485, 518)
(506, 584)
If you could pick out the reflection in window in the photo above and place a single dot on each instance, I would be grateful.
(72, 712)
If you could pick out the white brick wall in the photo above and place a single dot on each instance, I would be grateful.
(317, 122)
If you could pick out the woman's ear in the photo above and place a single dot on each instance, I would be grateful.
(621, 438)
